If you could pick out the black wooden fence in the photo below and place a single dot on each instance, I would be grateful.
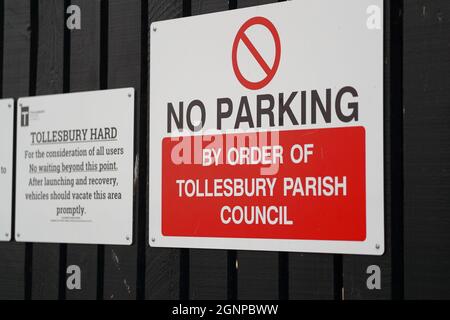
(39, 55)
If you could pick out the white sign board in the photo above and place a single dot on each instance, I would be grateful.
(75, 168)
(266, 129)
(6, 158)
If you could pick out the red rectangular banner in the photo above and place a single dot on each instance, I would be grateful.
(297, 184)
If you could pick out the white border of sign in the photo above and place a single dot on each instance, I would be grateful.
(165, 47)
(6, 138)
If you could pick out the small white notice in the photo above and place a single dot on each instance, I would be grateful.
(74, 180)
(6, 157)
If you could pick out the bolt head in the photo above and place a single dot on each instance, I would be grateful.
(153, 239)
(377, 246)
(154, 29)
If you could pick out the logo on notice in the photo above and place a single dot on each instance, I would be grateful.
(24, 116)
(269, 68)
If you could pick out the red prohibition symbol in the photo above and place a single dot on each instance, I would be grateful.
(269, 71)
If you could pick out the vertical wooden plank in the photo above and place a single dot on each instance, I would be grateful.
(163, 274)
(85, 48)
(355, 268)
(426, 149)
(251, 3)
(15, 76)
(208, 6)
(208, 278)
(258, 277)
(311, 276)
(208, 274)
(85, 75)
(49, 80)
(258, 272)
(124, 70)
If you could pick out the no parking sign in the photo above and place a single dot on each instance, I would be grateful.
(266, 129)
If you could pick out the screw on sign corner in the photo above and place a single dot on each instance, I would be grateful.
(241, 36)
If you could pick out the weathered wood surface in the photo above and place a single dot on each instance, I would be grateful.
(40, 56)
(426, 74)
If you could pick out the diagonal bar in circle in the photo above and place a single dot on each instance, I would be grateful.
(256, 54)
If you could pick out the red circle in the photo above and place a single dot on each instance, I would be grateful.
(239, 36)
